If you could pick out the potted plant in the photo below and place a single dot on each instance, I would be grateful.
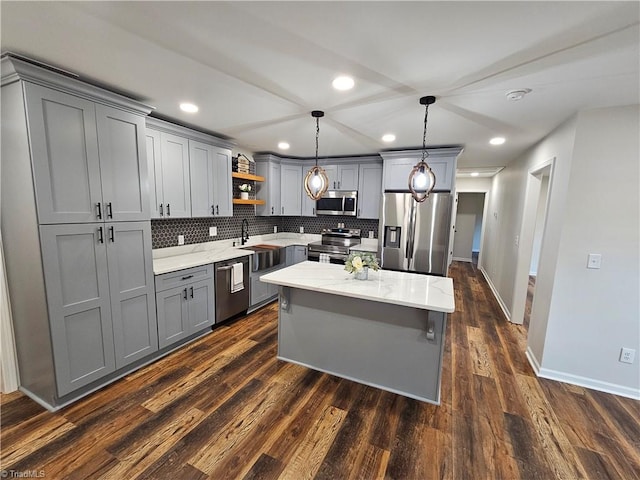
(245, 188)
(359, 264)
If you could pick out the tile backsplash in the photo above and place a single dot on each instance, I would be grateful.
(165, 232)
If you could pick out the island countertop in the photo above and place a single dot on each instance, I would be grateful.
(398, 288)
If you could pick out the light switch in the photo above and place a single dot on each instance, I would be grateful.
(594, 260)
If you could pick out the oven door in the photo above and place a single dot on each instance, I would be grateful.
(336, 258)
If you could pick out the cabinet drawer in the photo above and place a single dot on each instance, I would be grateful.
(183, 277)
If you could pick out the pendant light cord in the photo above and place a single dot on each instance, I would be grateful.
(317, 135)
(424, 133)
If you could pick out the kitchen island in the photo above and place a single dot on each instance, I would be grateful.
(387, 331)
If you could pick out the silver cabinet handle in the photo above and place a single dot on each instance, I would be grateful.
(217, 210)
(191, 292)
(99, 213)
(168, 209)
(338, 184)
(185, 294)
(213, 209)
(161, 211)
(100, 237)
(271, 210)
(109, 210)
(112, 234)
(187, 277)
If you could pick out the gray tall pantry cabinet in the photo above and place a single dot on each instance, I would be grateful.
(76, 232)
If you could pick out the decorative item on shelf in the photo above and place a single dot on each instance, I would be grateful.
(359, 264)
(242, 164)
(245, 188)
(316, 182)
(422, 180)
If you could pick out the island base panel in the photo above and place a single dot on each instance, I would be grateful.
(383, 345)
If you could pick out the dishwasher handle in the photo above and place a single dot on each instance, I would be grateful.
(219, 269)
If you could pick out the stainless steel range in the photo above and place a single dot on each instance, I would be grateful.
(335, 243)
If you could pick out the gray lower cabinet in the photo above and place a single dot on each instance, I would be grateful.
(296, 254)
(262, 292)
(99, 285)
(185, 303)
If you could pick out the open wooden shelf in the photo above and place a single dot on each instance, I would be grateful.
(251, 201)
(247, 176)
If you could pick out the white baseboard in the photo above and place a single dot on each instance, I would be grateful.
(460, 259)
(504, 308)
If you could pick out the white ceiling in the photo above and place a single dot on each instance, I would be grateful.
(257, 69)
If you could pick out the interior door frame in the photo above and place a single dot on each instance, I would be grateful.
(527, 230)
(485, 208)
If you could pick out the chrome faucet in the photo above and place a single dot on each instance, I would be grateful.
(244, 231)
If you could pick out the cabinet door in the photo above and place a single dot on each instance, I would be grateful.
(308, 205)
(201, 305)
(154, 165)
(369, 191)
(175, 176)
(260, 291)
(300, 254)
(332, 175)
(202, 170)
(123, 164)
(173, 315)
(64, 148)
(348, 177)
(291, 200)
(133, 307)
(269, 190)
(223, 189)
(75, 271)
(396, 173)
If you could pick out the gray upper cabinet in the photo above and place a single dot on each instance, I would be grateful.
(174, 165)
(154, 166)
(123, 166)
(342, 177)
(290, 181)
(202, 161)
(210, 171)
(269, 190)
(89, 161)
(77, 280)
(64, 147)
(132, 291)
(369, 190)
(222, 190)
(397, 166)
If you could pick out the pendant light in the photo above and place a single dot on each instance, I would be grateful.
(422, 179)
(316, 182)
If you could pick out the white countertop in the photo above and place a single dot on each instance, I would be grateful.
(186, 256)
(399, 288)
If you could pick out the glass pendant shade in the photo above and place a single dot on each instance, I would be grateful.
(422, 180)
(316, 182)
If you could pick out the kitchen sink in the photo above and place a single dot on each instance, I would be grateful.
(265, 256)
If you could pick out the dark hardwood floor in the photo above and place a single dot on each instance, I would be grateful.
(225, 408)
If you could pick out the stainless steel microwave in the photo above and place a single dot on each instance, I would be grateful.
(338, 202)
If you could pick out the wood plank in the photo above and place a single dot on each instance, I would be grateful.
(265, 468)
(313, 447)
(479, 353)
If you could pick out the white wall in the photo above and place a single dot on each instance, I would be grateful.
(580, 317)
(593, 313)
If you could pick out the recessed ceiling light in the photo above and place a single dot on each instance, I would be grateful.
(388, 137)
(474, 174)
(515, 95)
(283, 146)
(497, 140)
(343, 82)
(188, 107)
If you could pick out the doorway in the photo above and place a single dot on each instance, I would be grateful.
(468, 227)
(531, 241)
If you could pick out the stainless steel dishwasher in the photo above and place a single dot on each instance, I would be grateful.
(229, 304)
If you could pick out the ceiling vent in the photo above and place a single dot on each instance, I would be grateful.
(515, 95)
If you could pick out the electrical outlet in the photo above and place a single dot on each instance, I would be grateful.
(213, 231)
(180, 239)
(301, 229)
(370, 233)
(275, 229)
(627, 355)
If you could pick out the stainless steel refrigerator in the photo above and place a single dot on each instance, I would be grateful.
(415, 236)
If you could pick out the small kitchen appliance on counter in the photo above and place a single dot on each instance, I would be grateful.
(335, 243)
